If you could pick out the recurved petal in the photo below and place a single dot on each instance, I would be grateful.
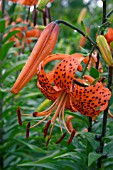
(45, 81)
(49, 92)
(65, 71)
(90, 101)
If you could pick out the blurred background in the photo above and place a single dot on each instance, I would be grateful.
(17, 152)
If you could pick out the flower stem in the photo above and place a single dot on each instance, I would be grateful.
(77, 29)
(90, 124)
(92, 49)
(104, 15)
(108, 15)
(104, 125)
(1, 100)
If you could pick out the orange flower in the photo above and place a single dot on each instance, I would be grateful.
(43, 48)
(83, 39)
(92, 62)
(109, 35)
(33, 33)
(26, 2)
(58, 85)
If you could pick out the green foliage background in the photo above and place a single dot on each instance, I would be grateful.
(19, 153)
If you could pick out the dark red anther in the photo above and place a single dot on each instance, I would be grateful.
(46, 128)
(35, 15)
(102, 79)
(27, 130)
(61, 138)
(34, 114)
(73, 86)
(19, 116)
(48, 141)
(71, 136)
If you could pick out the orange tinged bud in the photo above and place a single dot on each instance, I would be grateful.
(42, 49)
(33, 33)
(109, 35)
(82, 15)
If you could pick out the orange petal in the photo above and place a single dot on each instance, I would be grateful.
(86, 59)
(90, 101)
(89, 78)
(65, 71)
(28, 2)
(109, 35)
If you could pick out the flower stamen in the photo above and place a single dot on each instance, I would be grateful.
(19, 116)
(46, 128)
(71, 136)
(27, 130)
(61, 138)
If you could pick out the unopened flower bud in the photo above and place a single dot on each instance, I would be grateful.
(104, 49)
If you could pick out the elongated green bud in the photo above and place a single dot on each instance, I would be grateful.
(104, 49)
(42, 3)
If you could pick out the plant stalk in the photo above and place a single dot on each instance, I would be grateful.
(104, 125)
(1, 100)
(78, 30)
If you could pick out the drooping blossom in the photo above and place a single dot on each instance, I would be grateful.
(109, 35)
(59, 86)
(23, 32)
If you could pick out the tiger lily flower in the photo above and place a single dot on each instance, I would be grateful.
(25, 2)
(28, 2)
(42, 49)
(58, 86)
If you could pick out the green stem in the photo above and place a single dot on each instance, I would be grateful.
(92, 49)
(101, 147)
(104, 15)
(78, 30)
(90, 124)
(1, 100)
(104, 125)
(108, 15)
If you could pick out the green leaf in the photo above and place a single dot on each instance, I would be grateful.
(2, 25)
(31, 146)
(92, 157)
(94, 82)
(47, 165)
(94, 73)
(0, 14)
(83, 27)
(111, 44)
(16, 67)
(10, 34)
(4, 50)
